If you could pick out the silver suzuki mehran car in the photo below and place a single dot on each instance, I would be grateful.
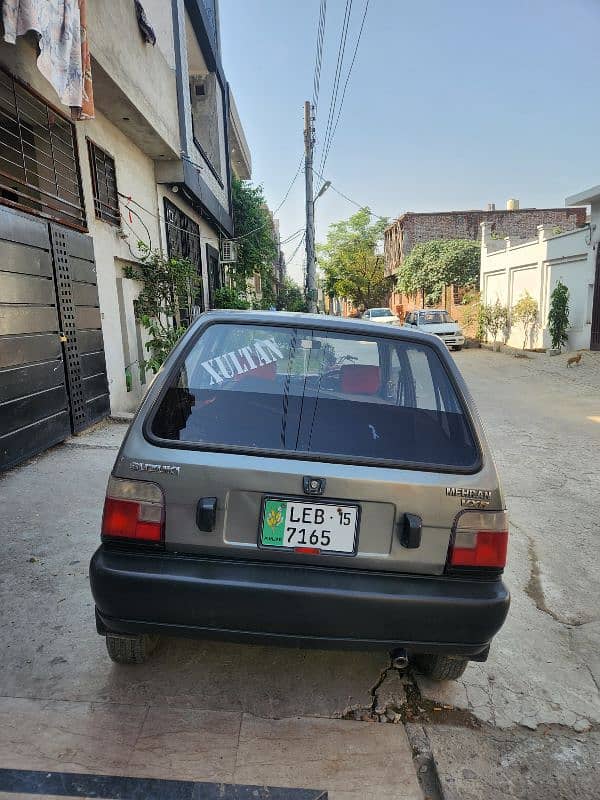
(306, 480)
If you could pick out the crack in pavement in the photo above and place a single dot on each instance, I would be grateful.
(535, 590)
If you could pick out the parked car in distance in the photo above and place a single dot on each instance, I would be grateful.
(382, 315)
(307, 480)
(438, 322)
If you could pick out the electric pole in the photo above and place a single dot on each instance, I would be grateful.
(311, 272)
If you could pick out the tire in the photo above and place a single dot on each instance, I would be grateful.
(458, 347)
(130, 649)
(441, 668)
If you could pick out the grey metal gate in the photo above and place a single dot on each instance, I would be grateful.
(79, 312)
(52, 370)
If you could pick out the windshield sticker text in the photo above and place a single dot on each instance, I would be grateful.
(244, 359)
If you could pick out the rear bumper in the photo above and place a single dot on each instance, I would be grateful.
(254, 601)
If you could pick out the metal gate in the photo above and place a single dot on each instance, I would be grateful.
(52, 369)
(595, 332)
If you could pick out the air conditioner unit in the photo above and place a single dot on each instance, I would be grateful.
(228, 254)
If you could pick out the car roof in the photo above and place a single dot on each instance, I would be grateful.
(354, 325)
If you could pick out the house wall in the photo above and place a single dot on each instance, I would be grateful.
(135, 178)
(137, 81)
(536, 266)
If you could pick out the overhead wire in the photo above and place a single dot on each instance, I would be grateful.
(319, 55)
(345, 196)
(177, 227)
(332, 134)
(337, 75)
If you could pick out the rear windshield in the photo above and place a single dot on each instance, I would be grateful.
(308, 391)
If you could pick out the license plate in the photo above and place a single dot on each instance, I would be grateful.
(296, 524)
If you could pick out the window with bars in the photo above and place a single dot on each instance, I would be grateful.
(39, 169)
(104, 184)
(183, 241)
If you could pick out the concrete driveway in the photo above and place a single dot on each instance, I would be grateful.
(214, 717)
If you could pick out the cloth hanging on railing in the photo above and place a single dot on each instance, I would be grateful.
(64, 55)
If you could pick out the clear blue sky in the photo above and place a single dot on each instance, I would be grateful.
(451, 105)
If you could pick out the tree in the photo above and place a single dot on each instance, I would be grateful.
(255, 240)
(431, 266)
(291, 297)
(525, 313)
(495, 319)
(164, 306)
(558, 316)
(351, 265)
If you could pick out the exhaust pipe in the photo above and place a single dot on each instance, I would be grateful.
(400, 658)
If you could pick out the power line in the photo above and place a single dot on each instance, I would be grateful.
(178, 227)
(298, 246)
(285, 197)
(319, 54)
(349, 199)
(362, 25)
(337, 75)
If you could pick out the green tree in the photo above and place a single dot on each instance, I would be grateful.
(291, 297)
(164, 305)
(558, 316)
(431, 266)
(351, 265)
(495, 319)
(525, 314)
(255, 240)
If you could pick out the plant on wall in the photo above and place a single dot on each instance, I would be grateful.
(170, 286)
(525, 314)
(558, 316)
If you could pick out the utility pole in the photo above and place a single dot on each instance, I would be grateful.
(311, 272)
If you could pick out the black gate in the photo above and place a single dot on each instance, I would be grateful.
(595, 333)
(52, 369)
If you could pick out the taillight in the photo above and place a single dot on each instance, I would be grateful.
(133, 510)
(479, 540)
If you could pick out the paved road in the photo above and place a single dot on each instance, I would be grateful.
(225, 712)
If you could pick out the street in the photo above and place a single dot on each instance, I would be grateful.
(524, 724)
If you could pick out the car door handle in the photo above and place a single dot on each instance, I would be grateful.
(206, 513)
(410, 531)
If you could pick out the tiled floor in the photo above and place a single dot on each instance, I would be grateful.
(350, 760)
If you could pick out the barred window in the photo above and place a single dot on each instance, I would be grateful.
(104, 184)
(39, 169)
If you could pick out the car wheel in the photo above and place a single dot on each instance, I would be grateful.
(441, 668)
(458, 347)
(130, 649)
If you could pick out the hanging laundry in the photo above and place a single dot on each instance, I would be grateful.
(58, 25)
(146, 29)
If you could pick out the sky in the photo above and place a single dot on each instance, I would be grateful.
(450, 104)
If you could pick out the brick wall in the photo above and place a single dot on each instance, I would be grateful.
(412, 228)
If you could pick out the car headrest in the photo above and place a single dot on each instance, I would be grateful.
(265, 372)
(360, 379)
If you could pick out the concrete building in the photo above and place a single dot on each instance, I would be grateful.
(509, 269)
(153, 165)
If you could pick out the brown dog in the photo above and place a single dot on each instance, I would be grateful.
(574, 359)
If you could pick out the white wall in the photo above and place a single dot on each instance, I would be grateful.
(135, 177)
(507, 272)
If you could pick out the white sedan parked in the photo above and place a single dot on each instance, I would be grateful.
(438, 322)
(381, 315)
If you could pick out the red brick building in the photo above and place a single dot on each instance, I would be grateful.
(414, 228)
